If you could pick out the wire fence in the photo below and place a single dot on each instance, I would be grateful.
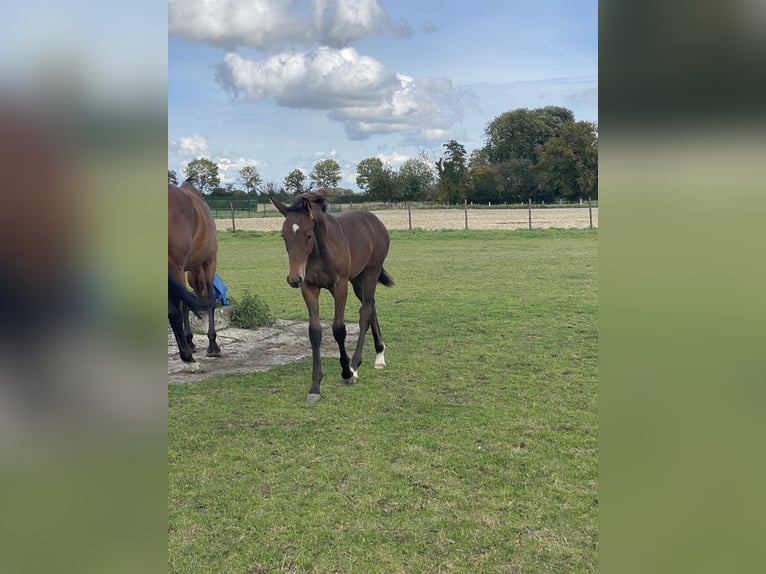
(431, 217)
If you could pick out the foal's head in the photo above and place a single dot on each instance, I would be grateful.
(298, 231)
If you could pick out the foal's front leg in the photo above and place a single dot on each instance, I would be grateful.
(311, 297)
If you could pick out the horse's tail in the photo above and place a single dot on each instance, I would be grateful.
(176, 292)
(385, 278)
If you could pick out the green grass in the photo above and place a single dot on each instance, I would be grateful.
(475, 450)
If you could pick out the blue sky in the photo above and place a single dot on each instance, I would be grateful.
(281, 84)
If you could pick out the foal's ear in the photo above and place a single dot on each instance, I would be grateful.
(281, 207)
(308, 206)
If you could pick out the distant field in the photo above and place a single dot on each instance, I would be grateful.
(475, 450)
(435, 219)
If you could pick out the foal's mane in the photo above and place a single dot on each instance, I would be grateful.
(319, 197)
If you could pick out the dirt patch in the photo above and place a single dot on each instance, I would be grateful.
(251, 350)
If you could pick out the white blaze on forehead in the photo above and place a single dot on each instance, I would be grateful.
(296, 227)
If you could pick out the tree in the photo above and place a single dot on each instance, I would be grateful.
(414, 180)
(326, 173)
(517, 182)
(453, 173)
(223, 192)
(367, 171)
(375, 179)
(485, 185)
(478, 157)
(516, 134)
(541, 154)
(251, 179)
(172, 177)
(294, 181)
(204, 173)
(567, 165)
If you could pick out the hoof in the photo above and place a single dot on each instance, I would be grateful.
(354, 378)
(192, 367)
(314, 398)
(380, 361)
(380, 365)
(214, 353)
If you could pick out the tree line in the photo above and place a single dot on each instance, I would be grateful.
(541, 154)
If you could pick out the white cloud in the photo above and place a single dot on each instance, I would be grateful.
(193, 146)
(340, 22)
(358, 91)
(277, 24)
(228, 168)
(394, 159)
(320, 79)
(319, 155)
(258, 23)
(434, 134)
(196, 146)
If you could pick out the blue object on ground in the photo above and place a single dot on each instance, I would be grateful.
(220, 290)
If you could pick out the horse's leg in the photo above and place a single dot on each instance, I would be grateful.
(340, 293)
(311, 297)
(175, 316)
(364, 287)
(213, 350)
(176, 310)
(380, 347)
(187, 330)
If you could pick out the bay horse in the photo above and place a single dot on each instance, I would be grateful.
(192, 249)
(326, 251)
(178, 294)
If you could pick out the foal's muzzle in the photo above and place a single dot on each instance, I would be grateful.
(294, 283)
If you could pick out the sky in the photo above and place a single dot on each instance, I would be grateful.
(282, 84)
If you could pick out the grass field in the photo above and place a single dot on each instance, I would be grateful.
(475, 450)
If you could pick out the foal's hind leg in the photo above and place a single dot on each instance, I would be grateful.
(364, 287)
(380, 360)
(340, 294)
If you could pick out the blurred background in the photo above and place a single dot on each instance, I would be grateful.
(682, 277)
(83, 134)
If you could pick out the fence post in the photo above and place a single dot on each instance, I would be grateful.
(409, 215)
(465, 209)
(530, 213)
(590, 213)
(233, 227)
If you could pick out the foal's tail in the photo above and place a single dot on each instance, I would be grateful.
(385, 278)
(177, 292)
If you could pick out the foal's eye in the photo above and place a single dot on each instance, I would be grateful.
(308, 237)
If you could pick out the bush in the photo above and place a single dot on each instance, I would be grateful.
(251, 312)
